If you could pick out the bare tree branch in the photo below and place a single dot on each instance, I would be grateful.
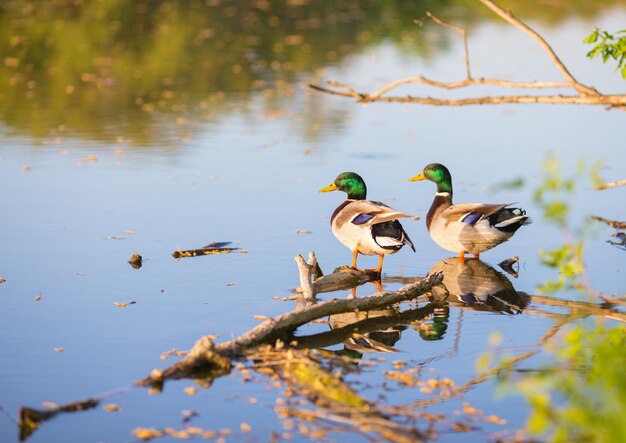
(459, 30)
(586, 95)
(506, 15)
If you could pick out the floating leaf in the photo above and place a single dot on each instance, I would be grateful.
(147, 433)
(123, 305)
(190, 390)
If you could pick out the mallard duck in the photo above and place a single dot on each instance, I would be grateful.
(364, 226)
(470, 228)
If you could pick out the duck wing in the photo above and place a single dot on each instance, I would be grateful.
(499, 216)
(367, 213)
(471, 213)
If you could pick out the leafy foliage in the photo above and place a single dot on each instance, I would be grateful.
(568, 260)
(611, 46)
(583, 396)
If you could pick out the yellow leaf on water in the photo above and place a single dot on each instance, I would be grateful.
(245, 427)
(147, 433)
(260, 317)
(49, 405)
(129, 232)
(2, 280)
(123, 305)
(37, 297)
(495, 419)
(471, 410)
(58, 349)
(111, 407)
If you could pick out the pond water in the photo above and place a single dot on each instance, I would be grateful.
(104, 155)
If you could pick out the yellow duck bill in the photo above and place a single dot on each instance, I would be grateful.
(418, 177)
(331, 187)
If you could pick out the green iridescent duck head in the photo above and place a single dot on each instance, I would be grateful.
(438, 174)
(349, 182)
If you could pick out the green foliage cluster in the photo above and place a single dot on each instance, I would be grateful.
(582, 397)
(555, 190)
(611, 46)
(568, 261)
(553, 195)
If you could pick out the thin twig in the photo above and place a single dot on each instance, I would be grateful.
(459, 30)
(610, 185)
(509, 17)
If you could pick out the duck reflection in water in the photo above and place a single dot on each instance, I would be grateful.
(479, 286)
(381, 340)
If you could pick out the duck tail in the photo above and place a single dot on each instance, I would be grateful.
(407, 240)
(510, 219)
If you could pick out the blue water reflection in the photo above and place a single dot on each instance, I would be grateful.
(252, 178)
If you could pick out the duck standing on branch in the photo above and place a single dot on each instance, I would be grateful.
(366, 227)
(470, 228)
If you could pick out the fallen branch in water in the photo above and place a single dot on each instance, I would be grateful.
(584, 94)
(205, 355)
(210, 249)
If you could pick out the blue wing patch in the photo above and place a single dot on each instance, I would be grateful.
(471, 218)
(362, 218)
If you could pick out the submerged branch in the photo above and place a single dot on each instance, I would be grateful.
(207, 356)
(580, 308)
(612, 223)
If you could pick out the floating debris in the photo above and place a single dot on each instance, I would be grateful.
(213, 248)
(135, 261)
(123, 305)
(112, 407)
(190, 390)
(59, 349)
(302, 231)
(2, 280)
(188, 414)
